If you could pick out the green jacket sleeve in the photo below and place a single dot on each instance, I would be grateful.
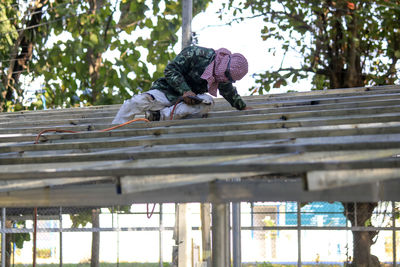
(228, 91)
(176, 69)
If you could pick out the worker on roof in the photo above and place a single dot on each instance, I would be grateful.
(193, 73)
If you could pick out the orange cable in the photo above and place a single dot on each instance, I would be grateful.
(104, 130)
(123, 124)
(149, 214)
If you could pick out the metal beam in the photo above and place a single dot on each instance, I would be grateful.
(236, 235)
(284, 189)
(318, 180)
(3, 237)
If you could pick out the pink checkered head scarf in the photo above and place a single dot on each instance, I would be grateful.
(218, 71)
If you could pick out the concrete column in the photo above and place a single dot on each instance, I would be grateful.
(184, 236)
(219, 235)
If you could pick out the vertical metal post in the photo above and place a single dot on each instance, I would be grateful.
(236, 235)
(160, 237)
(118, 233)
(355, 214)
(3, 237)
(252, 219)
(394, 233)
(61, 238)
(298, 234)
(228, 233)
(187, 7)
(34, 236)
(219, 235)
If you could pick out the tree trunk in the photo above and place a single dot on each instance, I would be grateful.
(359, 214)
(94, 60)
(22, 52)
(94, 262)
(362, 243)
(94, 56)
(205, 215)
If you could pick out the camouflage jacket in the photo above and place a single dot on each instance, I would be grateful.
(183, 74)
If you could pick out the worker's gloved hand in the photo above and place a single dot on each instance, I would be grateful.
(187, 98)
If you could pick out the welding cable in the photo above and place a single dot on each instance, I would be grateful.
(152, 210)
(196, 100)
(123, 124)
(52, 130)
(171, 117)
(104, 130)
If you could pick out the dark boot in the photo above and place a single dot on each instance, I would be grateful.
(153, 115)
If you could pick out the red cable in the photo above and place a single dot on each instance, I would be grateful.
(105, 130)
(52, 130)
(171, 117)
(152, 211)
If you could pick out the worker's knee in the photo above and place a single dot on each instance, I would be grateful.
(207, 99)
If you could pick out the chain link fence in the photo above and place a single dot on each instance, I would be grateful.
(273, 234)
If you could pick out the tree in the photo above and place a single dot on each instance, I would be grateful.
(14, 238)
(75, 68)
(93, 216)
(97, 57)
(359, 214)
(340, 44)
(16, 47)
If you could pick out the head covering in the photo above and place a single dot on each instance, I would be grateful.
(215, 71)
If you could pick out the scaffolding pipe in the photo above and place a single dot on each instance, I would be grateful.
(228, 233)
(3, 237)
(394, 233)
(187, 7)
(34, 236)
(236, 235)
(161, 236)
(299, 234)
(61, 238)
(118, 229)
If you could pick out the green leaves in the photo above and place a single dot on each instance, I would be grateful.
(339, 44)
(81, 219)
(97, 58)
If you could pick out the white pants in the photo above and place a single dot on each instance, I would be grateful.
(154, 100)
